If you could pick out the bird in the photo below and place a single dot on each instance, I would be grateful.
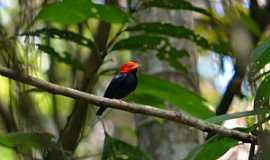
(122, 84)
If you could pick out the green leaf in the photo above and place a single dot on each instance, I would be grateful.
(175, 4)
(61, 34)
(180, 32)
(214, 148)
(165, 91)
(115, 149)
(111, 14)
(72, 12)
(261, 54)
(67, 11)
(143, 98)
(65, 58)
(141, 42)
(173, 57)
(27, 140)
(163, 29)
(157, 43)
(221, 118)
(250, 23)
(262, 95)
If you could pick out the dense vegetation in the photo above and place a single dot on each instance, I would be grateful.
(80, 44)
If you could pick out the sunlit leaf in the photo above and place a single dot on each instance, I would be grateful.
(174, 4)
(262, 95)
(111, 14)
(27, 140)
(67, 11)
(72, 12)
(214, 148)
(264, 89)
(261, 54)
(221, 118)
(115, 149)
(165, 91)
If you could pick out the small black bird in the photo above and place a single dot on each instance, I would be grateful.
(122, 84)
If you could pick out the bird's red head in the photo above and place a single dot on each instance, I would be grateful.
(129, 67)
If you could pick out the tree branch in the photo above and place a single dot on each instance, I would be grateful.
(178, 117)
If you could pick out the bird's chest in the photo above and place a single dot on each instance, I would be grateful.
(130, 82)
(127, 86)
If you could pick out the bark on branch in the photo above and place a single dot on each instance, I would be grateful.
(178, 117)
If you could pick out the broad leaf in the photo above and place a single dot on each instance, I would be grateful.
(61, 34)
(173, 57)
(67, 11)
(72, 12)
(27, 140)
(163, 29)
(111, 14)
(264, 89)
(141, 42)
(221, 118)
(250, 23)
(165, 92)
(214, 148)
(261, 54)
(65, 57)
(159, 44)
(143, 98)
(262, 97)
(166, 29)
(115, 149)
(174, 4)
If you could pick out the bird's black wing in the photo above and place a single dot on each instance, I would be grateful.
(113, 89)
(115, 85)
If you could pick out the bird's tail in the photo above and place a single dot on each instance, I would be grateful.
(100, 111)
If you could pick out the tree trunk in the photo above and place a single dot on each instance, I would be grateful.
(168, 140)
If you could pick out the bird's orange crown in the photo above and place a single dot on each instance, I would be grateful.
(128, 67)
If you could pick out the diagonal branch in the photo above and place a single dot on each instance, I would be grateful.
(178, 117)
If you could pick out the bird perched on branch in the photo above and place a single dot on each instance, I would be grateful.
(122, 84)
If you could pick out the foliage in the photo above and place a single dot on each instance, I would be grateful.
(172, 4)
(28, 140)
(261, 55)
(222, 118)
(156, 43)
(115, 149)
(76, 23)
(72, 12)
(163, 91)
(62, 34)
(170, 30)
(212, 149)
